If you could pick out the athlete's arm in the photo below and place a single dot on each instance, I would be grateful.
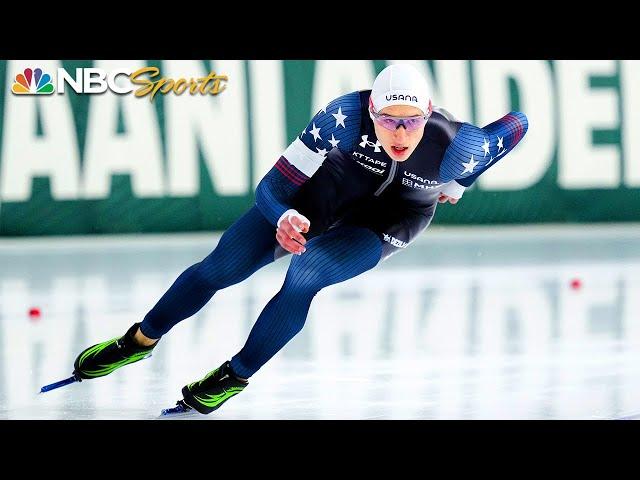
(335, 126)
(473, 150)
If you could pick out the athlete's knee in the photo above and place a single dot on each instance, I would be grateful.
(199, 275)
(306, 275)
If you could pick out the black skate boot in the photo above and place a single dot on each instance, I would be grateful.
(213, 390)
(102, 359)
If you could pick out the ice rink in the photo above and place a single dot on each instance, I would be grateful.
(467, 323)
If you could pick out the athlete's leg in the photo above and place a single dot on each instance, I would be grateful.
(248, 245)
(336, 256)
(245, 247)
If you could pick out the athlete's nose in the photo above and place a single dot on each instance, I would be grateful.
(400, 134)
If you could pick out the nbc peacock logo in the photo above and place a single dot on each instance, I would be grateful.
(32, 82)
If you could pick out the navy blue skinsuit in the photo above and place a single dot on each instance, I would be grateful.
(357, 183)
(362, 205)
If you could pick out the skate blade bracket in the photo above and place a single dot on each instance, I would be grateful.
(181, 409)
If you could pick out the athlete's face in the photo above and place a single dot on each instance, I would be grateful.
(399, 144)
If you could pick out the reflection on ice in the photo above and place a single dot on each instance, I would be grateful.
(418, 337)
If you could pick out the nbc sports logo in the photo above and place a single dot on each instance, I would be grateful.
(97, 80)
(32, 82)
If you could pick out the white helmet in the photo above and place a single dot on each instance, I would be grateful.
(400, 84)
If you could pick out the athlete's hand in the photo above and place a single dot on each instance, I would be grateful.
(446, 198)
(291, 225)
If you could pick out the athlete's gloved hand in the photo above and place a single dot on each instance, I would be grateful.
(290, 226)
(446, 198)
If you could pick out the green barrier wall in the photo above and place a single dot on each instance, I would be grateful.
(75, 163)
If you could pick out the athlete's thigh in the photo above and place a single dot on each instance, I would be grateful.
(339, 254)
(249, 240)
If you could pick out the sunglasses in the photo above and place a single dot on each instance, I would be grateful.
(393, 123)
